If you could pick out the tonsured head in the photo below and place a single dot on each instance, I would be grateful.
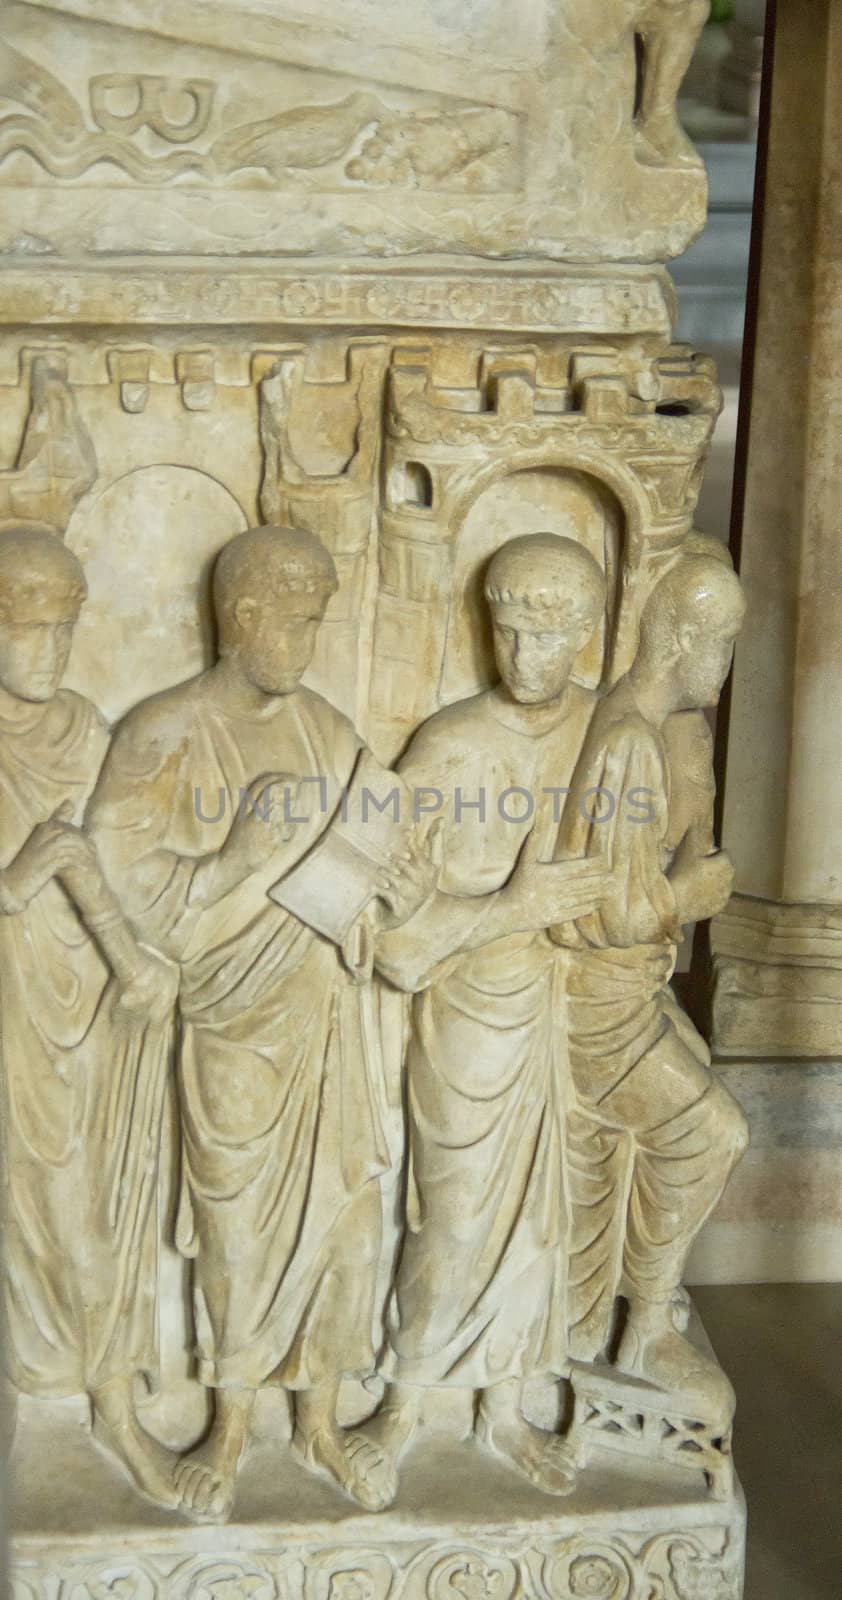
(688, 630)
(271, 587)
(546, 595)
(42, 587)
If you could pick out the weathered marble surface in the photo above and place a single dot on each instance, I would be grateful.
(330, 511)
(629, 1525)
(597, 445)
(249, 126)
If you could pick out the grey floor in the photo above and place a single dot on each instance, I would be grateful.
(782, 1348)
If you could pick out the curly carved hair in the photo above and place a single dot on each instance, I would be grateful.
(545, 572)
(38, 573)
(272, 560)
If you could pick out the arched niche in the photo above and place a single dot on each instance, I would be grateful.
(564, 501)
(147, 543)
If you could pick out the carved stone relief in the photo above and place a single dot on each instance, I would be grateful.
(321, 448)
(685, 1565)
(168, 826)
(475, 150)
(638, 436)
(413, 142)
(531, 512)
(154, 626)
(355, 645)
(56, 461)
(516, 432)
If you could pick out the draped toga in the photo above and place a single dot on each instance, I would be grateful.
(280, 1075)
(82, 1098)
(651, 788)
(653, 1134)
(479, 1295)
(626, 950)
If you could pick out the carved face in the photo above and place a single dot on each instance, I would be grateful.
(33, 654)
(275, 640)
(535, 653)
(704, 663)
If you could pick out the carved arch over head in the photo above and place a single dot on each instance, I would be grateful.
(618, 488)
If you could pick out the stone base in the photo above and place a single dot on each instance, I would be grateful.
(464, 1528)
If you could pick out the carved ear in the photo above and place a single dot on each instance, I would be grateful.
(587, 629)
(244, 611)
(687, 636)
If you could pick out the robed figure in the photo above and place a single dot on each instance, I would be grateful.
(479, 1293)
(198, 814)
(84, 1040)
(656, 1133)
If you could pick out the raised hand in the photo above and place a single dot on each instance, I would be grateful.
(53, 847)
(265, 822)
(702, 886)
(410, 879)
(544, 893)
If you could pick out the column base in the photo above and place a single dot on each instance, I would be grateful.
(777, 979)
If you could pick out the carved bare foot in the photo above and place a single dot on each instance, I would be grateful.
(206, 1478)
(544, 1458)
(393, 1426)
(681, 1307)
(661, 142)
(149, 1464)
(205, 1481)
(652, 1349)
(350, 1459)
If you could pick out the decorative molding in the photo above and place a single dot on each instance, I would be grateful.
(688, 1562)
(777, 974)
(622, 303)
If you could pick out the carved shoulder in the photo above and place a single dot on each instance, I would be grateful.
(446, 736)
(79, 717)
(336, 730)
(689, 744)
(153, 732)
(619, 732)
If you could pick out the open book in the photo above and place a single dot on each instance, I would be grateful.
(372, 824)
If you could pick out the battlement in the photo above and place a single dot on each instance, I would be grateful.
(600, 383)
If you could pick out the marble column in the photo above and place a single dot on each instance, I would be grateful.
(777, 950)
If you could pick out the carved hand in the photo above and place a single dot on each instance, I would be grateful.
(53, 847)
(263, 823)
(544, 893)
(408, 882)
(702, 887)
(153, 990)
